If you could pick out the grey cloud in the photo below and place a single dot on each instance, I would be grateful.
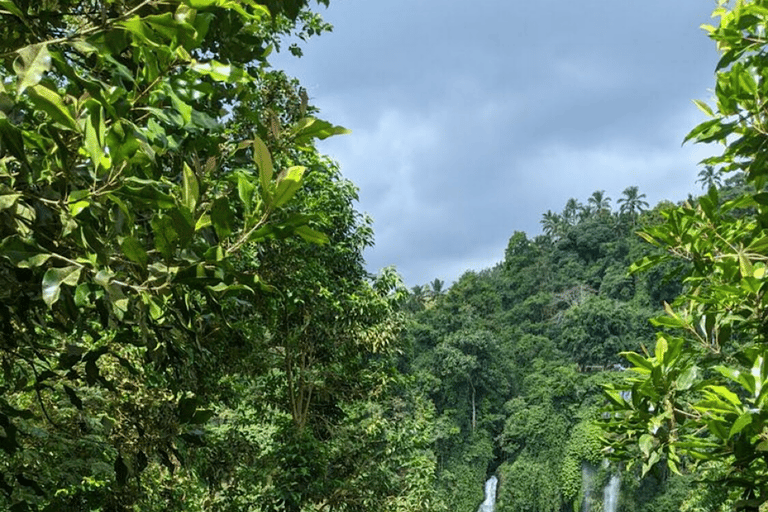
(471, 119)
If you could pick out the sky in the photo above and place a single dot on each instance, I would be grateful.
(471, 119)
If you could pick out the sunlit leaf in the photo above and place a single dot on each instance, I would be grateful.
(54, 278)
(52, 104)
(191, 188)
(288, 185)
(31, 64)
(263, 161)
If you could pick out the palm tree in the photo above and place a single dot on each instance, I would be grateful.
(709, 177)
(599, 201)
(570, 211)
(585, 212)
(632, 202)
(437, 286)
(418, 292)
(416, 298)
(552, 224)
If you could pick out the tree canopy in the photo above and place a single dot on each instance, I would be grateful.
(186, 320)
(698, 399)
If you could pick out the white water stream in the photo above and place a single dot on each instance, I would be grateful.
(610, 491)
(489, 504)
(611, 494)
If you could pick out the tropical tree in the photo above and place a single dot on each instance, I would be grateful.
(437, 286)
(698, 400)
(599, 202)
(571, 211)
(632, 202)
(553, 224)
(709, 177)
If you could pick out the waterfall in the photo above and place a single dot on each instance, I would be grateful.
(610, 491)
(587, 475)
(489, 504)
(611, 494)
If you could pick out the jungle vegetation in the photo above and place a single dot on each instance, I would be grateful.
(187, 323)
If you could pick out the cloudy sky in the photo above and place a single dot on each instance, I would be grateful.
(471, 119)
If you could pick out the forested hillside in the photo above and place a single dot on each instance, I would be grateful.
(514, 357)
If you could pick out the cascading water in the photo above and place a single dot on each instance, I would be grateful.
(587, 475)
(611, 494)
(610, 491)
(489, 504)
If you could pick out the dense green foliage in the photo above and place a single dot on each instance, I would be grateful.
(186, 320)
(515, 357)
(699, 398)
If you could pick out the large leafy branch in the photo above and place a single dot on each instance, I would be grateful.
(125, 198)
(699, 400)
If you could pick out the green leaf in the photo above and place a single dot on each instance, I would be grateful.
(725, 393)
(672, 465)
(183, 224)
(310, 128)
(77, 207)
(745, 266)
(646, 263)
(311, 235)
(661, 349)
(156, 311)
(707, 131)
(704, 107)
(203, 222)
(288, 185)
(638, 360)
(667, 321)
(736, 376)
(54, 278)
(259, 11)
(140, 31)
(221, 72)
(52, 104)
(95, 135)
(687, 379)
(8, 198)
(646, 443)
(263, 161)
(32, 62)
(191, 188)
(182, 107)
(759, 245)
(9, 6)
(223, 290)
(11, 141)
(222, 217)
(134, 251)
(149, 192)
(741, 422)
(245, 188)
(652, 460)
(165, 235)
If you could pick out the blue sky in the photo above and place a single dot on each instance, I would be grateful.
(471, 119)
